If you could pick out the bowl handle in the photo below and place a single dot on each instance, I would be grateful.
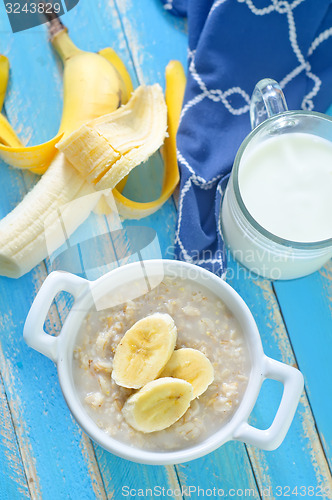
(34, 333)
(271, 438)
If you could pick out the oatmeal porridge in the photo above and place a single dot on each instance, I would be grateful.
(203, 323)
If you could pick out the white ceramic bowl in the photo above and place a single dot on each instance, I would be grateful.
(60, 350)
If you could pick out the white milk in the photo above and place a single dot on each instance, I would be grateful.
(286, 185)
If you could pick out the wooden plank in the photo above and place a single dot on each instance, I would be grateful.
(227, 470)
(120, 476)
(306, 305)
(55, 454)
(52, 326)
(48, 437)
(50, 441)
(145, 42)
(147, 28)
(13, 482)
(300, 460)
(153, 36)
(115, 471)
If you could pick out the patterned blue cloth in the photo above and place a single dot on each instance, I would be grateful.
(232, 45)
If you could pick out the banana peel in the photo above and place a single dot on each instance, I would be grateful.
(7, 134)
(174, 93)
(38, 158)
(12, 151)
(4, 75)
(26, 158)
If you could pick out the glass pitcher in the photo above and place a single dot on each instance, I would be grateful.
(255, 247)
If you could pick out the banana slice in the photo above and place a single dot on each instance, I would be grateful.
(190, 365)
(144, 351)
(158, 404)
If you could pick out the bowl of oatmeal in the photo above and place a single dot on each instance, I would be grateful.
(161, 362)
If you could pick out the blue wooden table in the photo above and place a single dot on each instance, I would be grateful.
(43, 452)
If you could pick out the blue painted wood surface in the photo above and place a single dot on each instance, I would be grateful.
(43, 453)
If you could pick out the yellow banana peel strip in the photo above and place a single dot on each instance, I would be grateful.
(4, 75)
(35, 158)
(129, 209)
(175, 86)
(12, 151)
(8, 135)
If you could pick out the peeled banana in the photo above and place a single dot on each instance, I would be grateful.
(105, 150)
(22, 231)
(144, 351)
(92, 87)
(158, 404)
(191, 365)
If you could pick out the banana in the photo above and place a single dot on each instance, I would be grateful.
(92, 87)
(158, 405)
(105, 150)
(190, 365)
(144, 351)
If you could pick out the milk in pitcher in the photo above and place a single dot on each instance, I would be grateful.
(286, 185)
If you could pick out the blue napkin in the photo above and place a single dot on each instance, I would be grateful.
(232, 45)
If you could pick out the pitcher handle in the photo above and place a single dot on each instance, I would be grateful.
(267, 100)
